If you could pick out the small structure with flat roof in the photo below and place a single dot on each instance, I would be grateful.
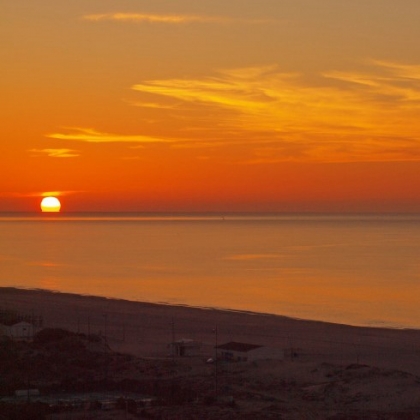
(185, 347)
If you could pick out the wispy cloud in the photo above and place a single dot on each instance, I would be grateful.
(229, 89)
(93, 136)
(391, 81)
(169, 18)
(58, 153)
(55, 193)
(153, 105)
(336, 116)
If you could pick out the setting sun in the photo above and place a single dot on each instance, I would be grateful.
(50, 205)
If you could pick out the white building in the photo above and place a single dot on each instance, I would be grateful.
(22, 331)
(243, 352)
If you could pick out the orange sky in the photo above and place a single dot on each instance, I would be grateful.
(290, 105)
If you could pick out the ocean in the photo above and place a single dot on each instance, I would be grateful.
(350, 269)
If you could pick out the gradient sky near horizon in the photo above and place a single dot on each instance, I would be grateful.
(269, 105)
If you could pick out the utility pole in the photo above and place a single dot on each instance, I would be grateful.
(215, 363)
(173, 341)
(106, 327)
(292, 353)
(173, 358)
(106, 346)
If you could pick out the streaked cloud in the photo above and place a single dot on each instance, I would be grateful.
(335, 116)
(391, 81)
(272, 116)
(153, 105)
(168, 18)
(93, 136)
(54, 193)
(406, 71)
(59, 153)
(228, 89)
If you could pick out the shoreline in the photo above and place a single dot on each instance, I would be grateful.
(210, 308)
(145, 329)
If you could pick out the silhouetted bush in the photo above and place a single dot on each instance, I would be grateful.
(49, 335)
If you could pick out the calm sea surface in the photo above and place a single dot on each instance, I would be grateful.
(359, 269)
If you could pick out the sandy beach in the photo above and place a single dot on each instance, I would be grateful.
(145, 329)
(320, 349)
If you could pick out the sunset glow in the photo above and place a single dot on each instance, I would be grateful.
(250, 107)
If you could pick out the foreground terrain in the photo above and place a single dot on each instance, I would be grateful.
(119, 365)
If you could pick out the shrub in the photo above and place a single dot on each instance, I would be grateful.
(49, 335)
